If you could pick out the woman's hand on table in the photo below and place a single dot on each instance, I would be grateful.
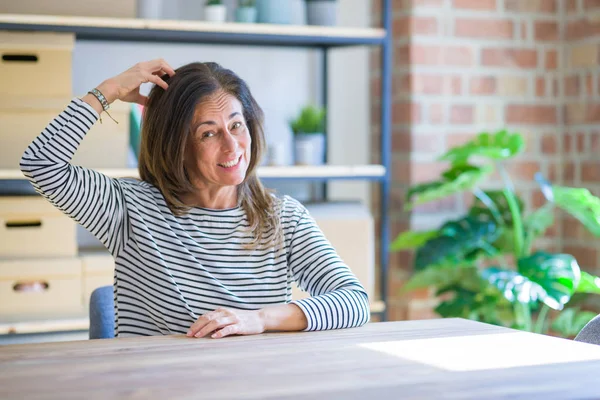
(225, 321)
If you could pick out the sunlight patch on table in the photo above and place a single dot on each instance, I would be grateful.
(483, 352)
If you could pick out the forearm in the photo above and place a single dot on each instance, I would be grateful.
(108, 89)
(285, 317)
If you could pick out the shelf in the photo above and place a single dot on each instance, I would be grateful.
(127, 29)
(305, 173)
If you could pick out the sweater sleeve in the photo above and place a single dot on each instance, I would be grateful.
(89, 197)
(338, 298)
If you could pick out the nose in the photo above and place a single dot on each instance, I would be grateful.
(230, 143)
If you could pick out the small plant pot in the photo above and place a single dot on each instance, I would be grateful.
(274, 11)
(309, 149)
(245, 14)
(216, 13)
(321, 12)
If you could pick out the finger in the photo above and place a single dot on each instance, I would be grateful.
(226, 331)
(159, 64)
(200, 323)
(167, 68)
(214, 325)
(141, 99)
(158, 81)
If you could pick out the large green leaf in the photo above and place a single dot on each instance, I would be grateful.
(581, 204)
(410, 240)
(557, 274)
(536, 223)
(588, 284)
(498, 146)
(498, 198)
(459, 242)
(455, 180)
(442, 276)
(570, 321)
(514, 286)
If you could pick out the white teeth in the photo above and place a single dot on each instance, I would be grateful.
(230, 164)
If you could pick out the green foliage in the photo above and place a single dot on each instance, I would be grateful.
(214, 2)
(310, 120)
(246, 3)
(455, 259)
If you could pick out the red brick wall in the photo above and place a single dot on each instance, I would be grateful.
(465, 66)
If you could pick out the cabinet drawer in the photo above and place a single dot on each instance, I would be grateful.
(104, 146)
(43, 288)
(36, 64)
(32, 227)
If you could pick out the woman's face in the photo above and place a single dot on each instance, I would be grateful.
(218, 152)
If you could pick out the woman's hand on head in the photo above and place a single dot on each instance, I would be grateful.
(225, 321)
(126, 86)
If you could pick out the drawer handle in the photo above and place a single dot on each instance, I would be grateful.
(23, 224)
(31, 286)
(19, 57)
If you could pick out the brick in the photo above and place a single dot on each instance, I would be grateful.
(427, 84)
(512, 86)
(584, 56)
(447, 204)
(524, 30)
(582, 113)
(546, 31)
(437, 114)
(569, 172)
(411, 4)
(551, 62)
(587, 257)
(437, 55)
(591, 4)
(414, 25)
(533, 6)
(531, 114)
(590, 172)
(479, 5)
(484, 28)
(589, 85)
(523, 170)
(485, 113)
(405, 113)
(456, 85)
(582, 28)
(549, 144)
(504, 57)
(458, 56)
(482, 85)
(458, 139)
(540, 87)
(461, 114)
(426, 171)
(405, 141)
(571, 6)
(421, 310)
(595, 142)
(571, 85)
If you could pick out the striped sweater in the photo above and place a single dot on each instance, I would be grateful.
(171, 269)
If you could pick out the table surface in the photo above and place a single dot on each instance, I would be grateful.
(444, 358)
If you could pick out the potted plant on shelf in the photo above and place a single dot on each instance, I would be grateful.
(321, 12)
(215, 11)
(309, 136)
(484, 265)
(246, 11)
(274, 11)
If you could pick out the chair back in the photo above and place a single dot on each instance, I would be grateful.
(102, 313)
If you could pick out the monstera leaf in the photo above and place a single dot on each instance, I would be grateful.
(549, 278)
(498, 146)
(499, 204)
(588, 284)
(444, 276)
(411, 240)
(455, 180)
(459, 242)
(536, 223)
(581, 204)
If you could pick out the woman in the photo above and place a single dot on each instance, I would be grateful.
(200, 247)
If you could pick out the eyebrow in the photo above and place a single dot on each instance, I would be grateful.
(233, 114)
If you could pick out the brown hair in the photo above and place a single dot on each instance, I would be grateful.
(166, 125)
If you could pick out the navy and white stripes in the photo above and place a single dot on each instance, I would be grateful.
(169, 269)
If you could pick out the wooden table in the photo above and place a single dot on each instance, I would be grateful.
(446, 358)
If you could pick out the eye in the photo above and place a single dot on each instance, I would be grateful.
(236, 125)
(208, 134)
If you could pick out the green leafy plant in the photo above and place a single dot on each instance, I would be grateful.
(246, 3)
(482, 264)
(311, 120)
(214, 2)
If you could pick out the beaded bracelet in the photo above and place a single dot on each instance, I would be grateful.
(105, 106)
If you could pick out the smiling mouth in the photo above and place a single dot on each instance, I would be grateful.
(231, 163)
